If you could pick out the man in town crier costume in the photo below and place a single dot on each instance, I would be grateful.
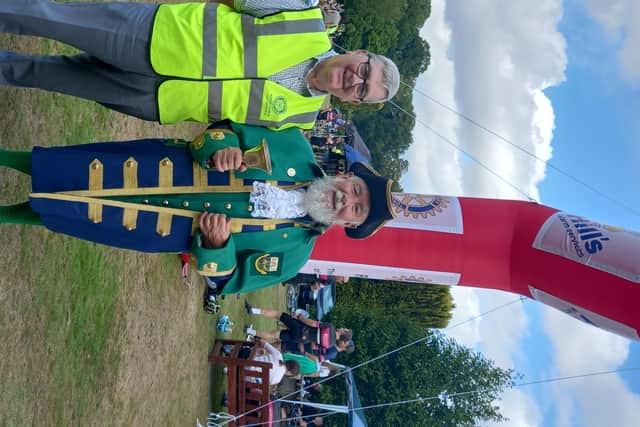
(244, 227)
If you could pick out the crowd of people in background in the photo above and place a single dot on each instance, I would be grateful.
(302, 350)
(327, 138)
(333, 16)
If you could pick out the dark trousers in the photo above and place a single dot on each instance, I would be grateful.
(114, 70)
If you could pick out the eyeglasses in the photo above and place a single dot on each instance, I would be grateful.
(364, 68)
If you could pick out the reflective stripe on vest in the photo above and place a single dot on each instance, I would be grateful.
(244, 33)
(187, 100)
(196, 41)
(261, 110)
(256, 108)
(212, 41)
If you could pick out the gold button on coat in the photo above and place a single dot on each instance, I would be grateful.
(165, 203)
(291, 172)
(227, 206)
(206, 204)
(185, 204)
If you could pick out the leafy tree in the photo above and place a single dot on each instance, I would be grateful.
(352, 108)
(391, 28)
(429, 306)
(437, 370)
(387, 315)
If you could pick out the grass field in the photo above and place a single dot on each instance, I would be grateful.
(93, 335)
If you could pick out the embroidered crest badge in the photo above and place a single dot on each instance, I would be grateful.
(216, 135)
(279, 105)
(268, 264)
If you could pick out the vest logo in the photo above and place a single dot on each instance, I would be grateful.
(268, 264)
(279, 105)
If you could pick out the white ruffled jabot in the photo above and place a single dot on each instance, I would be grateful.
(273, 202)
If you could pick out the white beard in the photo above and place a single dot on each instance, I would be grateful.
(317, 204)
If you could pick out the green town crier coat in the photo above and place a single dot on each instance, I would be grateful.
(147, 195)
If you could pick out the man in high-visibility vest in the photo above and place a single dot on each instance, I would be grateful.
(194, 61)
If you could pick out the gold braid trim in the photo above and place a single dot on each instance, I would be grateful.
(130, 179)
(96, 182)
(236, 187)
(165, 173)
(236, 223)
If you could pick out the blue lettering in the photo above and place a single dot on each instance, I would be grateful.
(591, 236)
(587, 230)
(593, 246)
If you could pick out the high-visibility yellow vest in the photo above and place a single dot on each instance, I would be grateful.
(219, 60)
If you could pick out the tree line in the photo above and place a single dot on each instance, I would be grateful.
(429, 306)
(460, 387)
(391, 28)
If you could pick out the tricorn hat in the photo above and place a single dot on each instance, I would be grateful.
(380, 210)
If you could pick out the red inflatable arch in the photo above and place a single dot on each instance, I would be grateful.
(586, 269)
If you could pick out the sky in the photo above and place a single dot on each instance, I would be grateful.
(562, 80)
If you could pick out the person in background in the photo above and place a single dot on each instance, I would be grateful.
(279, 366)
(302, 335)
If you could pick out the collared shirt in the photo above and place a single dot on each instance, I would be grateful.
(268, 7)
(293, 78)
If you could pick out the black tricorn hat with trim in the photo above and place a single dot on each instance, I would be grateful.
(380, 210)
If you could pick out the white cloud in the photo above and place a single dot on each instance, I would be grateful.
(490, 61)
(498, 335)
(576, 348)
(520, 409)
(433, 164)
(570, 338)
(499, 339)
(467, 306)
(579, 349)
(621, 21)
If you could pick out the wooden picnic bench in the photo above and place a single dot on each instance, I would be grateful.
(247, 381)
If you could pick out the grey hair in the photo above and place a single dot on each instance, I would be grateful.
(390, 77)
